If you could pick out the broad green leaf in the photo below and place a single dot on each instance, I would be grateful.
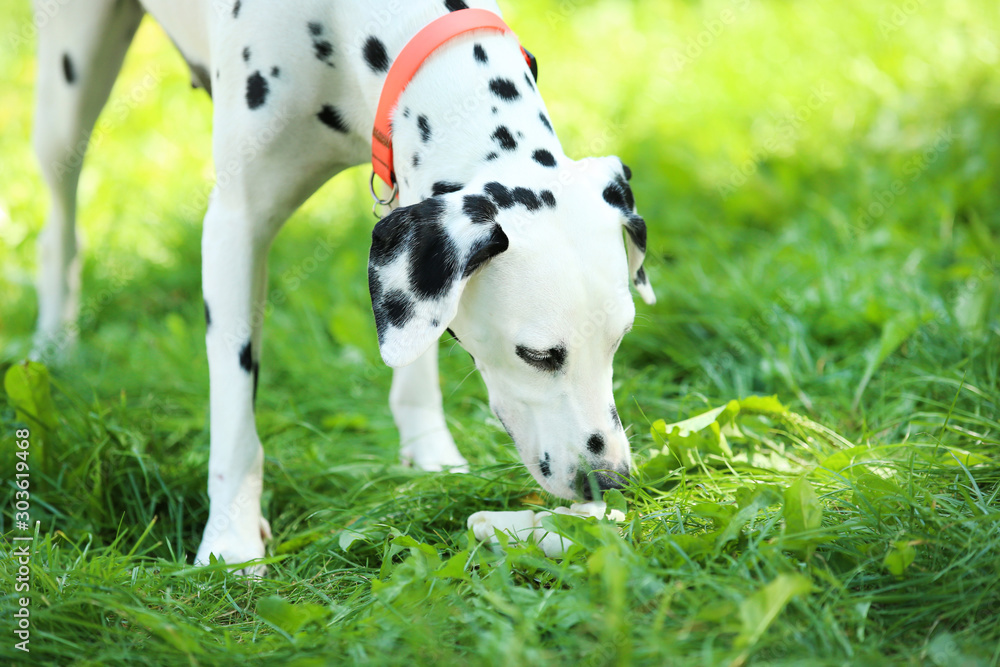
(176, 634)
(763, 405)
(454, 567)
(901, 555)
(615, 500)
(876, 487)
(349, 537)
(803, 511)
(692, 425)
(763, 496)
(759, 610)
(695, 547)
(659, 466)
(720, 515)
(407, 541)
(289, 617)
(846, 462)
(28, 389)
(953, 456)
(579, 530)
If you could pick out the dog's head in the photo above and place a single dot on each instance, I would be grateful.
(534, 282)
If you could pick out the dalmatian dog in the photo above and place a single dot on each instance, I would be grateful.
(497, 235)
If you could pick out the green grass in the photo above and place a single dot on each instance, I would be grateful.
(820, 184)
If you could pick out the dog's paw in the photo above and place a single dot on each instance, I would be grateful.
(433, 452)
(235, 545)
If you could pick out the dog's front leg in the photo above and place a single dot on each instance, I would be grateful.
(234, 274)
(416, 404)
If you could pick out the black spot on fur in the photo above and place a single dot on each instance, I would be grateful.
(68, 72)
(619, 195)
(636, 228)
(322, 48)
(504, 89)
(628, 172)
(416, 160)
(375, 55)
(595, 443)
(480, 54)
(545, 121)
(275, 72)
(246, 357)
(493, 110)
(480, 209)
(500, 194)
(397, 307)
(640, 276)
(548, 198)
(406, 112)
(257, 90)
(491, 156)
(615, 419)
(527, 80)
(208, 316)
(527, 198)
(433, 258)
(545, 466)
(256, 374)
(444, 187)
(629, 199)
(330, 117)
(503, 137)
(246, 54)
(236, 8)
(455, 5)
(390, 236)
(544, 158)
(485, 249)
(425, 128)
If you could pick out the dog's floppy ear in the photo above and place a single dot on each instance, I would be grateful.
(617, 193)
(421, 258)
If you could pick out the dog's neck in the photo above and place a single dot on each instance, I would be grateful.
(471, 110)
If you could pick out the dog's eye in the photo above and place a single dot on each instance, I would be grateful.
(551, 359)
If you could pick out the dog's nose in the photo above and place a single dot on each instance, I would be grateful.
(594, 483)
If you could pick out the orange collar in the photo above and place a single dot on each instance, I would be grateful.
(405, 67)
